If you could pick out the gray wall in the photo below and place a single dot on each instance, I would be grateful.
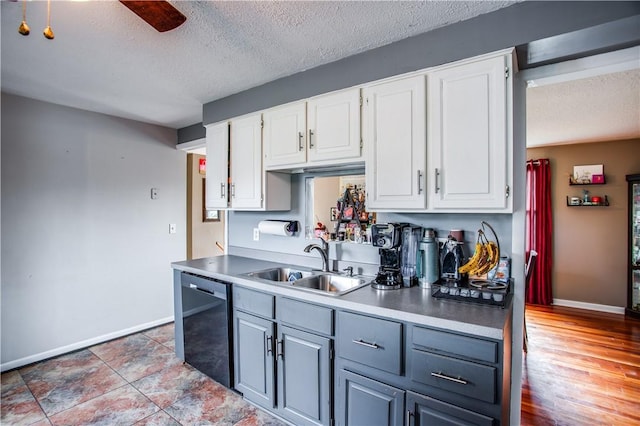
(512, 26)
(85, 251)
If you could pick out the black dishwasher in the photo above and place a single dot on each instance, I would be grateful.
(206, 321)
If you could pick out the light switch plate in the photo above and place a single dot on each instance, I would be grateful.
(172, 228)
(256, 234)
(154, 193)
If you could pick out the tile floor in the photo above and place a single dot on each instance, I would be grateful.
(136, 379)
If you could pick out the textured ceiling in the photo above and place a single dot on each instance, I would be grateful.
(106, 59)
(601, 108)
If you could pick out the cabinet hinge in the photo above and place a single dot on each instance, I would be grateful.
(360, 100)
(506, 72)
(331, 353)
(261, 123)
(507, 191)
(361, 144)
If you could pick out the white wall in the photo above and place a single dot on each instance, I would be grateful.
(86, 252)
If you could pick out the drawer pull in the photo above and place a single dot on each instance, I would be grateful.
(451, 379)
(367, 344)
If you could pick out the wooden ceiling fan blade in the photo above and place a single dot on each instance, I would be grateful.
(161, 15)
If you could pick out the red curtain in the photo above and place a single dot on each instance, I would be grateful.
(539, 229)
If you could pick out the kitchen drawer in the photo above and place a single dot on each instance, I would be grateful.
(454, 375)
(371, 341)
(254, 302)
(301, 314)
(468, 347)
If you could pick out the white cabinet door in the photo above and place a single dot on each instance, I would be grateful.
(285, 135)
(246, 162)
(468, 136)
(395, 140)
(217, 166)
(334, 127)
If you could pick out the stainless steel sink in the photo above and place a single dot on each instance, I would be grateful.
(314, 281)
(280, 274)
(330, 284)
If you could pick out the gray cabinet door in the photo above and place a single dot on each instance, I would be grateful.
(423, 411)
(254, 367)
(303, 377)
(366, 402)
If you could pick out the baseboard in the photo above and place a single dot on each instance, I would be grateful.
(81, 345)
(589, 306)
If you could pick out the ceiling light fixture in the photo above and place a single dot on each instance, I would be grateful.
(48, 32)
(24, 28)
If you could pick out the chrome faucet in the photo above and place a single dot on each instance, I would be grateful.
(324, 252)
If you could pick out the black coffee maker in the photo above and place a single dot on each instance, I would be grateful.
(388, 237)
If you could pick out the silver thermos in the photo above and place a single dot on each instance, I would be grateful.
(429, 271)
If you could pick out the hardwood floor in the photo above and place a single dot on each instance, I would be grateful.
(582, 368)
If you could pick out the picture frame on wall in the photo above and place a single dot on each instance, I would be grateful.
(208, 215)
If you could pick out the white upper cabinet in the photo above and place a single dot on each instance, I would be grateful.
(324, 130)
(334, 127)
(235, 176)
(246, 162)
(394, 130)
(469, 136)
(217, 166)
(285, 135)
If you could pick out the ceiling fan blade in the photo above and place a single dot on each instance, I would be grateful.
(161, 15)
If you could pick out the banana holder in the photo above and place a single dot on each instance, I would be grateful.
(478, 290)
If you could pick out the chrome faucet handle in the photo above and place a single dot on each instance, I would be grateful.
(349, 270)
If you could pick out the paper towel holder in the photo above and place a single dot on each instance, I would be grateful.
(291, 227)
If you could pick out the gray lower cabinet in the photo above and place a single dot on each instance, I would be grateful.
(279, 367)
(423, 410)
(367, 402)
(254, 363)
(304, 372)
(392, 373)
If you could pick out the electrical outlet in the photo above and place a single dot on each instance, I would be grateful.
(172, 228)
(256, 234)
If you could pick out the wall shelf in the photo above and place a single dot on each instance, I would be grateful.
(605, 203)
(572, 183)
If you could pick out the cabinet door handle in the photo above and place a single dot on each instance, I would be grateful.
(222, 191)
(310, 139)
(367, 344)
(436, 180)
(269, 343)
(409, 415)
(451, 379)
(300, 136)
(279, 348)
(233, 190)
(419, 181)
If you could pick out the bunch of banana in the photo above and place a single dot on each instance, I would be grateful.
(485, 258)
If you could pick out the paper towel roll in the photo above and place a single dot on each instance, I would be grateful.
(276, 227)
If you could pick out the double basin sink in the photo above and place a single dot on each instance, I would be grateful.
(328, 283)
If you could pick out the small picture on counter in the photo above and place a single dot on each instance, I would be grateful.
(333, 214)
(593, 173)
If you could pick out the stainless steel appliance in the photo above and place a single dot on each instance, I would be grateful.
(388, 237)
(207, 326)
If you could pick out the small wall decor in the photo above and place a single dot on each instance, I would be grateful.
(587, 174)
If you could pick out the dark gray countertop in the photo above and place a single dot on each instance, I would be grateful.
(406, 304)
